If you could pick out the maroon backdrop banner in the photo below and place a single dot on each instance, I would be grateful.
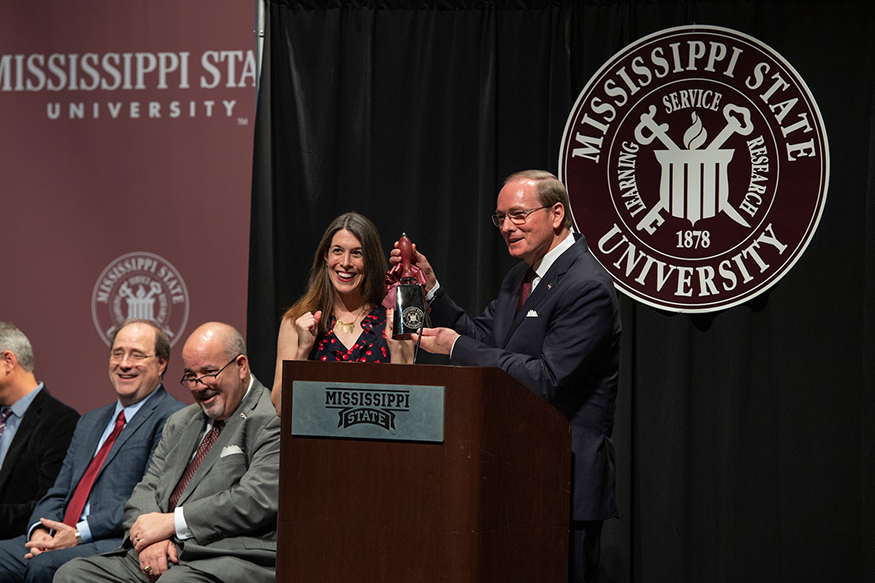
(125, 173)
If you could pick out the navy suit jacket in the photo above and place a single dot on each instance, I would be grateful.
(564, 346)
(33, 460)
(122, 469)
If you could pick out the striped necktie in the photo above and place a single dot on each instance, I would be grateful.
(202, 451)
(7, 411)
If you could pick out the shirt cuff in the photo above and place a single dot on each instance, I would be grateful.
(84, 531)
(182, 531)
(430, 294)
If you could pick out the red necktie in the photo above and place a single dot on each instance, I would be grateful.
(209, 439)
(525, 288)
(83, 489)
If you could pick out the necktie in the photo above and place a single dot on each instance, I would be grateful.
(83, 489)
(525, 288)
(209, 439)
(7, 411)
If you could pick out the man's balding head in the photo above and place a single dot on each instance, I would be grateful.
(216, 368)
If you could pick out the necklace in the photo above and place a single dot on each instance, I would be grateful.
(348, 327)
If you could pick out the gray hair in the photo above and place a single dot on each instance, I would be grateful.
(14, 340)
(550, 190)
(233, 343)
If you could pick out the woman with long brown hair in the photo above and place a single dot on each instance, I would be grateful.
(340, 317)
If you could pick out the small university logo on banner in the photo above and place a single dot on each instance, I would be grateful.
(697, 165)
(140, 285)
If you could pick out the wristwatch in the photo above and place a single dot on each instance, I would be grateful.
(79, 540)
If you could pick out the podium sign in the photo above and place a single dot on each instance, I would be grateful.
(368, 411)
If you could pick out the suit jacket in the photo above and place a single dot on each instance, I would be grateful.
(33, 460)
(230, 504)
(564, 346)
(123, 467)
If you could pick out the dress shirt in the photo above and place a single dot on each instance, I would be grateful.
(543, 266)
(19, 408)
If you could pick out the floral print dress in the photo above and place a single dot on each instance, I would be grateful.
(371, 345)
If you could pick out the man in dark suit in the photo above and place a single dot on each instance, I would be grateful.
(554, 327)
(82, 514)
(35, 430)
(207, 508)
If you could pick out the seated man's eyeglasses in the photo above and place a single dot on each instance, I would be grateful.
(516, 217)
(133, 357)
(190, 381)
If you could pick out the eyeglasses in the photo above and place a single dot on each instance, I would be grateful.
(133, 357)
(516, 217)
(189, 381)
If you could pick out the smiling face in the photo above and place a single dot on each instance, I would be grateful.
(346, 263)
(134, 369)
(543, 228)
(205, 353)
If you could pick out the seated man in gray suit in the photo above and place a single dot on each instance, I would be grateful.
(207, 508)
(83, 513)
(35, 431)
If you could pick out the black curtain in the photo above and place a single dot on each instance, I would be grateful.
(744, 437)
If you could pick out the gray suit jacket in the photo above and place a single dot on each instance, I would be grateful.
(123, 468)
(230, 505)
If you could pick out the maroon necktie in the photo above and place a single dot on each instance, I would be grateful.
(209, 439)
(7, 411)
(83, 489)
(525, 288)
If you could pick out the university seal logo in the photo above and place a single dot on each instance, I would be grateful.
(140, 285)
(413, 318)
(697, 165)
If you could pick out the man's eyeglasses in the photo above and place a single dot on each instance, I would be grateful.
(516, 217)
(190, 381)
(133, 357)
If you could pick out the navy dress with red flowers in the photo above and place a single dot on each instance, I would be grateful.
(371, 345)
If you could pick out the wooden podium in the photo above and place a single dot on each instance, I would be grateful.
(488, 503)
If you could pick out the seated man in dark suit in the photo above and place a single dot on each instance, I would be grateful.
(35, 430)
(82, 514)
(207, 508)
(555, 327)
